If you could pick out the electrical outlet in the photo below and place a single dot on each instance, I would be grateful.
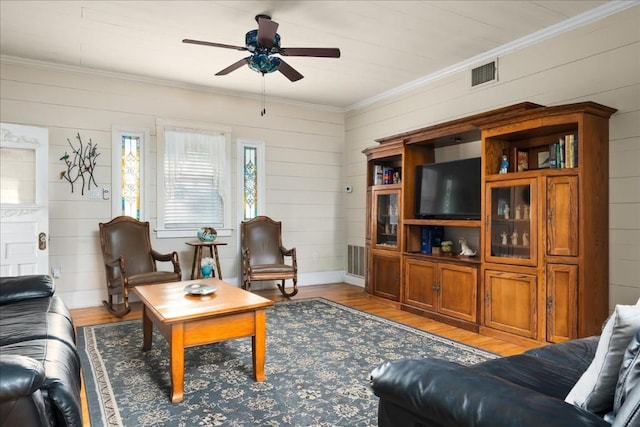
(56, 272)
(96, 193)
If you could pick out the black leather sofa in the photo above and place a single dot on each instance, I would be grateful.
(39, 363)
(523, 390)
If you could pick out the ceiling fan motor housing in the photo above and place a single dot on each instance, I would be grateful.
(251, 41)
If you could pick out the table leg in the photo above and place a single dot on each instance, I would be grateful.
(217, 258)
(147, 329)
(193, 264)
(196, 271)
(258, 343)
(176, 348)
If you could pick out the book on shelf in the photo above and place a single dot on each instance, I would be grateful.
(387, 175)
(571, 141)
(560, 163)
(564, 153)
(553, 150)
(378, 175)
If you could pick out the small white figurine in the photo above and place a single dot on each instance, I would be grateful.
(526, 212)
(504, 238)
(466, 251)
(518, 212)
(514, 238)
(506, 211)
(525, 239)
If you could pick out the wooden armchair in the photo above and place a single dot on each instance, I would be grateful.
(129, 260)
(263, 254)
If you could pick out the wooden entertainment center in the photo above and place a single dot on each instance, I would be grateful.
(541, 271)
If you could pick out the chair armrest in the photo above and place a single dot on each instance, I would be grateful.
(113, 266)
(21, 377)
(288, 252)
(170, 257)
(291, 253)
(19, 288)
(445, 393)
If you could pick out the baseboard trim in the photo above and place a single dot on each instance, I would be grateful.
(94, 297)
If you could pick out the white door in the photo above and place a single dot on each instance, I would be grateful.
(24, 214)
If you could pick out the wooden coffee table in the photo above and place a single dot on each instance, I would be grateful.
(186, 320)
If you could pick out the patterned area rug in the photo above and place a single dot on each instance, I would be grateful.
(319, 357)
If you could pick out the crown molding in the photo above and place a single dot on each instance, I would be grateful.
(577, 21)
(52, 66)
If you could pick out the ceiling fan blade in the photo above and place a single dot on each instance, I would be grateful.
(226, 46)
(320, 52)
(289, 72)
(233, 66)
(266, 31)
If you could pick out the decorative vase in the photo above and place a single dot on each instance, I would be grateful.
(206, 271)
(207, 234)
(446, 246)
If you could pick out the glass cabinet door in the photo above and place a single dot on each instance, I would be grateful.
(511, 228)
(387, 227)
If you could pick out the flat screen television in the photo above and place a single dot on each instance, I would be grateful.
(449, 190)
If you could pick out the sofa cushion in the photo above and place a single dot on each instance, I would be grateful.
(36, 318)
(595, 389)
(552, 378)
(579, 351)
(19, 288)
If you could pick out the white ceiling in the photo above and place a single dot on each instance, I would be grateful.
(385, 45)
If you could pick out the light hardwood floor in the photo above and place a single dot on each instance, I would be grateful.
(349, 295)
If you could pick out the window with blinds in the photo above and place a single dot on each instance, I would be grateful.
(194, 176)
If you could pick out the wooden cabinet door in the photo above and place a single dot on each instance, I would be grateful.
(420, 283)
(386, 227)
(385, 272)
(510, 303)
(562, 302)
(457, 296)
(511, 222)
(562, 215)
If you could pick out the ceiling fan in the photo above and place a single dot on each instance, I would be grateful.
(263, 44)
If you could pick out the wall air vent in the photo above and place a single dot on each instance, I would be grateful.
(355, 260)
(484, 73)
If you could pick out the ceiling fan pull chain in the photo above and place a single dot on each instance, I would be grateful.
(264, 109)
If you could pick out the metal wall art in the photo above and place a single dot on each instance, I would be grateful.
(81, 164)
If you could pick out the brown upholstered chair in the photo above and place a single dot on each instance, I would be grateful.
(263, 254)
(129, 260)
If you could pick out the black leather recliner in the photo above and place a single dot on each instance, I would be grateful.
(39, 363)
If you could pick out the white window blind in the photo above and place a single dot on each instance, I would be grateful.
(194, 175)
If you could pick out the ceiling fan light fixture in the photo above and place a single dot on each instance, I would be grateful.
(263, 63)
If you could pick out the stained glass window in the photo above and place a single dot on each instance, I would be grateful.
(131, 172)
(250, 197)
